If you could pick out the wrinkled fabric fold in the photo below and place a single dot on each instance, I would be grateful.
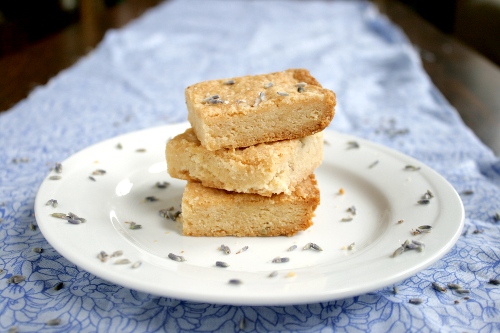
(135, 79)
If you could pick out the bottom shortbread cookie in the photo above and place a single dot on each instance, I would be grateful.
(214, 212)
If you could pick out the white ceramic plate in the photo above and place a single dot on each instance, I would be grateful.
(382, 194)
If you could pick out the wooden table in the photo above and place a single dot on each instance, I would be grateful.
(469, 81)
(35, 65)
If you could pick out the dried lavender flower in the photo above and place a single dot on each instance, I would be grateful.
(54, 322)
(312, 246)
(134, 226)
(176, 257)
(462, 291)
(438, 287)
(117, 254)
(221, 264)
(242, 324)
(425, 228)
(102, 256)
(411, 168)
(162, 185)
(215, 99)
(278, 260)
(494, 282)
(76, 217)
(273, 274)
(16, 279)
(428, 195)
(122, 262)
(415, 301)
(73, 221)
(58, 168)
(301, 86)
(58, 286)
(225, 249)
(52, 202)
(496, 217)
(398, 251)
(243, 249)
(352, 145)
(169, 214)
(352, 210)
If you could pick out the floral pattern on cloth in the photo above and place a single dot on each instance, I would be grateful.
(136, 78)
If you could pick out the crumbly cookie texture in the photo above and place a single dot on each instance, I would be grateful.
(265, 169)
(244, 111)
(212, 212)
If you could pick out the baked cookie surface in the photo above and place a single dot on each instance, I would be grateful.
(213, 212)
(244, 111)
(265, 169)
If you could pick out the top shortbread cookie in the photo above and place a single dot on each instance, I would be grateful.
(244, 111)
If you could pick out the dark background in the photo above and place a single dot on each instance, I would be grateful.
(23, 22)
(475, 22)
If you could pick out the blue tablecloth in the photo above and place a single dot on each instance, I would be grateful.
(136, 78)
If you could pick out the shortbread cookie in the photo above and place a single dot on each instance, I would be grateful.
(244, 111)
(212, 212)
(265, 169)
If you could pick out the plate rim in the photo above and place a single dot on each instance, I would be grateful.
(248, 300)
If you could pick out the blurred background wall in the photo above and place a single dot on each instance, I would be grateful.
(475, 22)
(23, 22)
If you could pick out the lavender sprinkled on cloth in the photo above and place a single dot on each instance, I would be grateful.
(135, 79)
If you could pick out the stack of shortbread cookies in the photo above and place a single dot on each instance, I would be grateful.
(250, 155)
